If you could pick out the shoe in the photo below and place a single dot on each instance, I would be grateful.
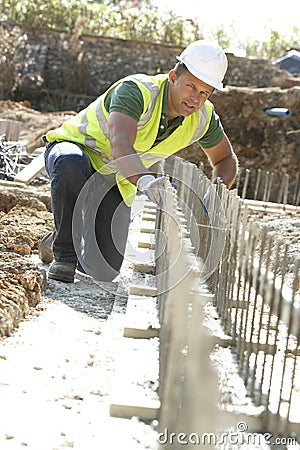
(45, 249)
(62, 271)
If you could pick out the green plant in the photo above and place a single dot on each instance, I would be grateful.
(11, 39)
(135, 19)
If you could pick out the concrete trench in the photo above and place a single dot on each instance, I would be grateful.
(60, 367)
(63, 367)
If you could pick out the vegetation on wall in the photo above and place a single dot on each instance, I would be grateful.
(9, 43)
(133, 19)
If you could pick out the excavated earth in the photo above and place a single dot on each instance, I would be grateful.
(24, 218)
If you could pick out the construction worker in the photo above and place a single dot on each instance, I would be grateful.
(99, 158)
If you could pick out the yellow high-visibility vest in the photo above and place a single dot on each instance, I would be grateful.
(89, 128)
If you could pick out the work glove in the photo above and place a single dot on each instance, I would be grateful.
(152, 187)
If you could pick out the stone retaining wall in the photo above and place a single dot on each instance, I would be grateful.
(61, 71)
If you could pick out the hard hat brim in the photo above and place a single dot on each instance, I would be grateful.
(201, 76)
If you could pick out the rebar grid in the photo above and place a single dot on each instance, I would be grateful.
(267, 186)
(184, 342)
(256, 308)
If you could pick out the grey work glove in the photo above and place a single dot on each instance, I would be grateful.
(152, 187)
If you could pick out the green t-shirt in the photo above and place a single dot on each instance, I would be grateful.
(127, 98)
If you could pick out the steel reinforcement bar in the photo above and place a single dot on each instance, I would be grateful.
(268, 186)
(208, 248)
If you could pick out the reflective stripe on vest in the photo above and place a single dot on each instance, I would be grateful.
(89, 128)
(144, 80)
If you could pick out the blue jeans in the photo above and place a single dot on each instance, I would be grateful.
(90, 218)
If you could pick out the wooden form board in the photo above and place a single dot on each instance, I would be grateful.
(137, 370)
(146, 410)
(36, 166)
(141, 319)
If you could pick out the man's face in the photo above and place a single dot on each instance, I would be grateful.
(186, 94)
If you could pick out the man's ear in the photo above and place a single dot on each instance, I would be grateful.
(172, 75)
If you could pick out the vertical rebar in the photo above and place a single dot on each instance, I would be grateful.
(296, 355)
(276, 326)
(240, 276)
(233, 259)
(296, 187)
(266, 180)
(250, 246)
(252, 311)
(270, 184)
(286, 189)
(271, 336)
(246, 181)
(233, 229)
(263, 286)
(283, 190)
(257, 184)
(285, 341)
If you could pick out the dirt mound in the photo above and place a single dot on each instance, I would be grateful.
(24, 219)
(20, 289)
(33, 123)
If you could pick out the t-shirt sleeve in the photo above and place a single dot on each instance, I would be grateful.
(214, 134)
(126, 98)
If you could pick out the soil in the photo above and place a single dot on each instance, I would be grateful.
(33, 123)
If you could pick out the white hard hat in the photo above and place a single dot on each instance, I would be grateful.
(206, 61)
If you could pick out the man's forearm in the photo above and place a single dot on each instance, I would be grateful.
(122, 130)
(129, 165)
(226, 170)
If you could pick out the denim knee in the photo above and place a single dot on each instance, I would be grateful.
(67, 159)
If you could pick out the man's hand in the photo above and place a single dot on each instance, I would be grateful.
(152, 187)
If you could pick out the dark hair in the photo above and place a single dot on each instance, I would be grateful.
(180, 68)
